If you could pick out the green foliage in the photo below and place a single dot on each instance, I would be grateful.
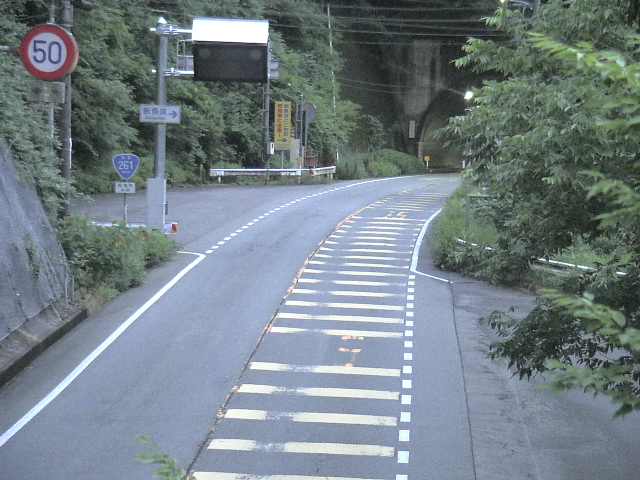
(168, 468)
(560, 163)
(407, 164)
(111, 258)
(23, 125)
(381, 163)
(352, 166)
(383, 168)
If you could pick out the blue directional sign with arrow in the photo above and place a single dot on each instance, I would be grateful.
(126, 164)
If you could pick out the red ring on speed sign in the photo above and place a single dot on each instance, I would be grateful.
(42, 51)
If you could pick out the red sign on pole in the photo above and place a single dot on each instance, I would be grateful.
(49, 52)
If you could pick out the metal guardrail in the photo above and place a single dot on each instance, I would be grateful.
(272, 172)
(555, 264)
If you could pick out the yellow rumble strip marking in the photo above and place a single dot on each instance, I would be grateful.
(339, 318)
(359, 306)
(247, 476)
(243, 445)
(311, 417)
(338, 333)
(318, 392)
(331, 369)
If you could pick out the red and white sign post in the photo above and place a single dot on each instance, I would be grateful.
(49, 52)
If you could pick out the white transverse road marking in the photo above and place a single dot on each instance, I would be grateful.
(250, 388)
(89, 359)
(243, 445)
(337, 333)
(330, 369)
(248, 476)
(338, 318)
(311, 417)
(356, 306)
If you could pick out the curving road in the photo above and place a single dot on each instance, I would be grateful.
(203, 367)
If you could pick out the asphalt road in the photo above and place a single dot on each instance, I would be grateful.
(171, 371)
(302, 338)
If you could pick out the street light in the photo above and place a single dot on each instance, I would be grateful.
(468, 95)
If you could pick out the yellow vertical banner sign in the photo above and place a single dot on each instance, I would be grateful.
(282, 126)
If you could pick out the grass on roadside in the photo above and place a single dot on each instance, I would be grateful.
(463, 218)
(107, 261)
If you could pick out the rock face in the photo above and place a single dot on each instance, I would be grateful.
(34, 275)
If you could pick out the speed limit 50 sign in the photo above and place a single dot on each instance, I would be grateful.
(49, 52)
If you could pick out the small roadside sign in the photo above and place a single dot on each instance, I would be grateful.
(125, 187)
(160, 114)
(126, 165)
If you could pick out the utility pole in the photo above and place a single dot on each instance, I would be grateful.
(267, 110)
(67, 146)
(300, 120)
(333, 76)
(52, 108)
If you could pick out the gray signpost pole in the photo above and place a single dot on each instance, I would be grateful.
(157, 186)
(161, 128)
(67, 142)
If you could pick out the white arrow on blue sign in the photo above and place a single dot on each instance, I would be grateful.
(126, 164)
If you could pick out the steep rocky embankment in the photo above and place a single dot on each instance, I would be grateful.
(35, 281)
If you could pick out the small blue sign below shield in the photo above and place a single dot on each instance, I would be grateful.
(126, 164)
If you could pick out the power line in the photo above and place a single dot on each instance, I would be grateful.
(375, 32)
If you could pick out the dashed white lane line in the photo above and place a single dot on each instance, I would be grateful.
(238, 444)
(408, 356)
(409, 314)
(405, 417)
(407, 384)
(209, 252)
(248, 476)
(408, 333)
(339, 318)
(249, 388)
(403, 435)
(355, 306)
(405, 399)
(337, 333)
(226, 239)
(311, 417)
(409, 323)
(408, 344)
(328, 369)
(221, 242)
(403, 456)
(407, 369)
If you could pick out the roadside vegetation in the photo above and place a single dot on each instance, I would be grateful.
(554, 151)
(107, 261)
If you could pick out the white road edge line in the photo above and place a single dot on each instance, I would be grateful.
(89, 359)
(416, 250)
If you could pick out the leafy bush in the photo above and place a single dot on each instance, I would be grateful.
(408, 164)
(110, 258)
(383, 168)
(352, 167)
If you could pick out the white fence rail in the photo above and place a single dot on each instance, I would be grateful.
(272, 172)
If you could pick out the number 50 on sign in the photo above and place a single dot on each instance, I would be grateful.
(49, 52)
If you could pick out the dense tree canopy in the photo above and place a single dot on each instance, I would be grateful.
(221, 122)
(554, 143)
